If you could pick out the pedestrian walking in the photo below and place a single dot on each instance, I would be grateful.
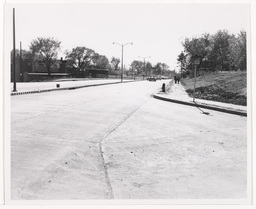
(175, 79)
(178, 79)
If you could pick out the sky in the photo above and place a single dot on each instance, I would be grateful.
(156, 30)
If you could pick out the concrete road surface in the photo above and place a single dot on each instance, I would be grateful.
(118, 142)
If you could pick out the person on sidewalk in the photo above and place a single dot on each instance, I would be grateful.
(175, 79)
(178, 79)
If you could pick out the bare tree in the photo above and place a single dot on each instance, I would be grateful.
(220, 53)
(237, 49)
(81, 57)
(198, 47)
(139, 66)
(45, 50)
(100, 61)
(114, 63)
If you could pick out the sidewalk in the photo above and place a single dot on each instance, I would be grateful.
(38, 87)
(177, 94)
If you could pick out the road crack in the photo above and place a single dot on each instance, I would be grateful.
(110, 193)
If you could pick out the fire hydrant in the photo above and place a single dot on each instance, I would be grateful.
(163, 87)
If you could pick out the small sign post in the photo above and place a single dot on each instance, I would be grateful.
(196, 62)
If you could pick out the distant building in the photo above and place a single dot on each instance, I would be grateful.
(28, 68)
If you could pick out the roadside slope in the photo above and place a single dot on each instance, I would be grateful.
(227, 87)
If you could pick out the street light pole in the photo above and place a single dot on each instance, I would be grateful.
(144, 65)
(122, 45)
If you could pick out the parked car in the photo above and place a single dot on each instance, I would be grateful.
(151, 79)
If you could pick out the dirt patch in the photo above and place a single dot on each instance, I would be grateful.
(227, 87)
(214, 93)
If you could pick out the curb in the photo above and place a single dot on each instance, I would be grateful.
(235, 112)
(66, 88)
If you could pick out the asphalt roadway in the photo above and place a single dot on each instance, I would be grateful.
(118, 142)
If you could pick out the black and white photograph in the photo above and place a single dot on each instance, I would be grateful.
(127, 103)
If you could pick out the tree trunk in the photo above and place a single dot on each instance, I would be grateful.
(49, 70)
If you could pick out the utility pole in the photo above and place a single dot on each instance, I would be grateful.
(14, 53)
(20, 58)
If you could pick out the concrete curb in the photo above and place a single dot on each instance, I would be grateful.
(66, 88)
(220, 109)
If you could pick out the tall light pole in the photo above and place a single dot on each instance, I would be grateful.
(144, 66)
(122, 45)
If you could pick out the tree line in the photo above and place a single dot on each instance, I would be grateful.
(148, 69)
(44, 51)
(217, 52)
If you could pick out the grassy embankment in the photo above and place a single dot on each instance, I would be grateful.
(228, 87)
